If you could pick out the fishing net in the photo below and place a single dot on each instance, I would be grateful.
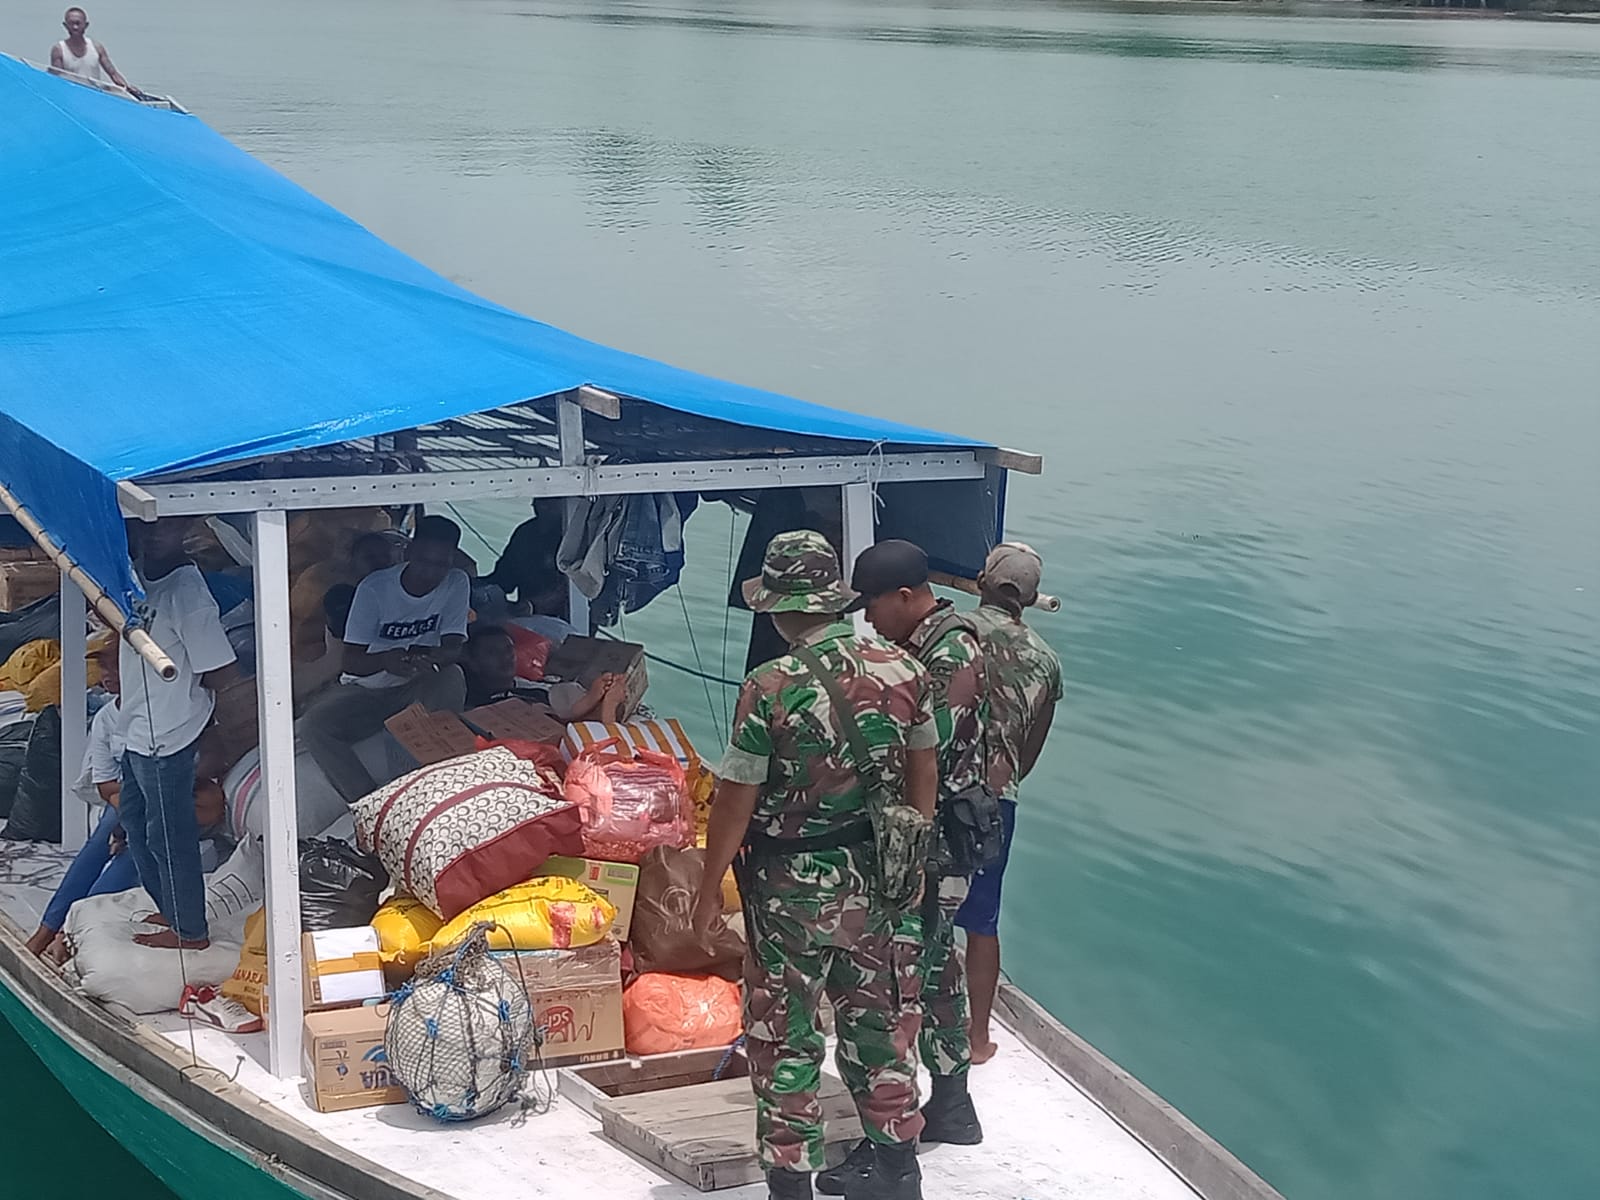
(461, 1033)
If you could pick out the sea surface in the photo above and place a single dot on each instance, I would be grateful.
(1302, 308)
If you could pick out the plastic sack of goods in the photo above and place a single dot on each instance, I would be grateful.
(663, 1013)
(456, 832)
(632, 800)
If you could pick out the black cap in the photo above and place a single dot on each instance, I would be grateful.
(887, 567)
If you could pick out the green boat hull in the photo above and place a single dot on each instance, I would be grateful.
(187, 1162)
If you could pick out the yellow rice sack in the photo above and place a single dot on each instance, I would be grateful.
(248, 983)
(406, 927)
(548, 913)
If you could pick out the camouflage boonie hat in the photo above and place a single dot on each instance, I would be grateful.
(800, 574)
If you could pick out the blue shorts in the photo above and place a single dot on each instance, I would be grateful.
(980, 911)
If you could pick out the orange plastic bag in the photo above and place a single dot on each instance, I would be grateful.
(662, 1013)
(631, 801)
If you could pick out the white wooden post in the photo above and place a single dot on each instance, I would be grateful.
(569, 434)
(74, 714)
(274, 701)
(859, 530)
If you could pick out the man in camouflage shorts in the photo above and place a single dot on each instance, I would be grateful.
(793, 807)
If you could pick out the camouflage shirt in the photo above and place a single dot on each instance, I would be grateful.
(1024, 675)
(955, 668)
(786, 738)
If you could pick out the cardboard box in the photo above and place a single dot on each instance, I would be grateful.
(28, 553)
(341, 967)
(517, 720)
(431, 737)
(577, 1000)
(585, 659)
(21, 583)
(344, 1062)
(617, 882)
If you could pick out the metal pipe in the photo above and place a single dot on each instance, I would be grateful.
(103, 604)
(970, 587)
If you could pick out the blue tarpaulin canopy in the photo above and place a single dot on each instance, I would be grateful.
(169, 303)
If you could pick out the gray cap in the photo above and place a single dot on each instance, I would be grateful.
(1016, 565)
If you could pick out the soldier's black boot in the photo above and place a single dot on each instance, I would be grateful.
(894, 1175)
(949, 1116)
(788, 1185)
(859, 1162)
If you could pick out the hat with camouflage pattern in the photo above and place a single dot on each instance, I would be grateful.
(800, 574)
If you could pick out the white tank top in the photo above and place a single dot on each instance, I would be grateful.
(88, 67)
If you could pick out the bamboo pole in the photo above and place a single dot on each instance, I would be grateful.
(102, 603)
(970, 587)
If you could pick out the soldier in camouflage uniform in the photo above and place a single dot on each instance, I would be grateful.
(792, 807)
(892, 581)
(1023, 686)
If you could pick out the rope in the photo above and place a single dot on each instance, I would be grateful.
(727, 613)
(694, 644)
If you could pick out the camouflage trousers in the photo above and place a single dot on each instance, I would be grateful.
(930, 933)
(821, 930)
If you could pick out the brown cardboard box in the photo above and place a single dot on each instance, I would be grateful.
(340, 968)
(617, 882)
(585, 659)
(344, 1063)
(577, 1000)
(21, 583)
(431, 737)
(517, 720)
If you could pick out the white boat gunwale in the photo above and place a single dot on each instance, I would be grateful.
(250, 1127)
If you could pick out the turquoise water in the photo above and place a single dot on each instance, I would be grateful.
(1301, 310)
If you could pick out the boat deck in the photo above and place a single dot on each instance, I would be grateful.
(1045, 1138)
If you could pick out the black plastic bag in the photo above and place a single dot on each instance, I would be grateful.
(36, 812)
(339, 885)
(13, 750)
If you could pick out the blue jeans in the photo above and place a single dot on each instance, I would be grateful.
(94, 872)
(164, 838)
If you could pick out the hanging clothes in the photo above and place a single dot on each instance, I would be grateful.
(621, 552)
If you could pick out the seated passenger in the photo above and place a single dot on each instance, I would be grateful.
(369, 553)
(405, 631)
(490, 663)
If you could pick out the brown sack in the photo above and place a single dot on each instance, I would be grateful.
(662, 935)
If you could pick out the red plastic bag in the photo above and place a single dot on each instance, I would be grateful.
(533, 651)
(630, 801)
(542, 753)
(662, 1013)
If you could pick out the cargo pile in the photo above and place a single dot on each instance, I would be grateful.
(569, 851)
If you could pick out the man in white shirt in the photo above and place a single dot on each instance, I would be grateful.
(402, 640)
(161, 725)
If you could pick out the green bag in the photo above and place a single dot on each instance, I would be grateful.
(902, 836)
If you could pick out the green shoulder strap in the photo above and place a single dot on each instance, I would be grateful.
(853, 736)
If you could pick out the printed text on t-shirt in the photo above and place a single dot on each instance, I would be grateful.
(399, 631)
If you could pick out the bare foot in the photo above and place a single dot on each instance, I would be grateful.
(155, 919)
(168, 940)
(40, 941)
(982, 1052)
(611, 702)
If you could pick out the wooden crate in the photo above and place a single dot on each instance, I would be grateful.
(705, 1134)
(586, 1086)
(21, 583)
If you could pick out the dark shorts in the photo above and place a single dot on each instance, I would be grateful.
(980, 911)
